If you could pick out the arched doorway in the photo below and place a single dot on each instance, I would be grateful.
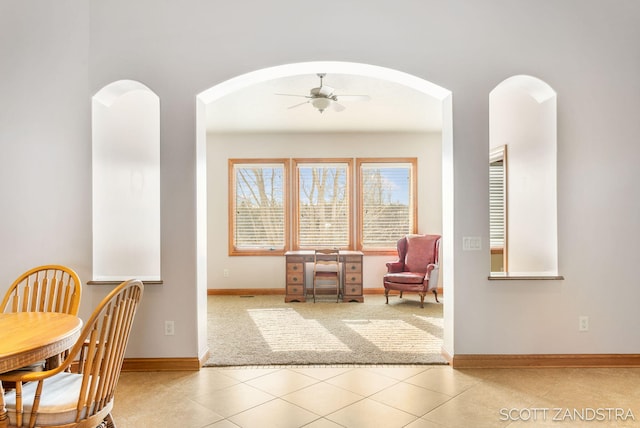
(414, 83)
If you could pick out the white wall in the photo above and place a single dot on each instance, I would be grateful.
(45, 151)
(269, 272)
(52, 51)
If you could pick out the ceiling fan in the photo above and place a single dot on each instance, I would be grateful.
(324, 97)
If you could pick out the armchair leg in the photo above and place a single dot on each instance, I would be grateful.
(435, 293)
(386, 295)
(109, 421)
(422, 300)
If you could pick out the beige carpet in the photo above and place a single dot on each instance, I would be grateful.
(264, 330)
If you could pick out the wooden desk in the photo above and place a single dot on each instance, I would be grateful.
(296, 283)
(29, 337)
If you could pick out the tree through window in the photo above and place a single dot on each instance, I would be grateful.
(323, 208)
(386, 193)
(258, 204)
(324, 202)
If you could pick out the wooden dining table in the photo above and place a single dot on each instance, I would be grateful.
(29, 337)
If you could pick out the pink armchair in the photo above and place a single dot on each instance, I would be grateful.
(417, 267)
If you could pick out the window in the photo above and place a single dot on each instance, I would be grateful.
(386, 197)
(258, 203)
(323, 203)
(498, 209)
(322, 214)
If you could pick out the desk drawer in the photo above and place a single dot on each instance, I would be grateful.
(295, 290)
(352, 267)
(352, 290)
(295, 278)
(353, 278)
(294, 268)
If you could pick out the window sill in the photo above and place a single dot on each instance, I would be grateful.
(506, 276)
(273, 252)
(145, 282)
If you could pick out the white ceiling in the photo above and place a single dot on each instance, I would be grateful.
(392, 108)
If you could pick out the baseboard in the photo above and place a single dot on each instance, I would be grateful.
(493, 361)
(244, 291)
(476, 361)
(381, 291)
(446, 355)
(274, 291)
(161, 364)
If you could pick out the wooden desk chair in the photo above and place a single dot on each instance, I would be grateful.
(83, 397)
(326, 272)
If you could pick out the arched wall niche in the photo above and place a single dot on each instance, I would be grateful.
(523, 124)
(126, 182)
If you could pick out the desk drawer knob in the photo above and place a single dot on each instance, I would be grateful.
(353, 267)
(294, 267)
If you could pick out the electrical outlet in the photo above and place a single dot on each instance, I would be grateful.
(169, 328)
(583, 323)
(225, 273)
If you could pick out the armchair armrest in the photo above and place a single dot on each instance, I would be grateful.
(431, 278)
(395, 267)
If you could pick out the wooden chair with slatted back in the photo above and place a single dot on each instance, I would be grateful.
(326, 273)
(82, 397)
(49, 288)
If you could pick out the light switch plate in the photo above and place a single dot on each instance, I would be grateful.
(471, 243)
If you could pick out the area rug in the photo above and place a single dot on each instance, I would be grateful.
(264, 330)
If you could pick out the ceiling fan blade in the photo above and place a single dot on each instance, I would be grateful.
(294, 95)
(337, 107)
(325, 91)
(297, 105)
(355, 97)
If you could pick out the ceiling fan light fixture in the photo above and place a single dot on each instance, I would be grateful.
(323, 97)
(321, 103)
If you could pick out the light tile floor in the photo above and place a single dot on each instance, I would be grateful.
(378, 396)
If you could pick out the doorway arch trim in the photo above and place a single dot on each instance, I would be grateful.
(419, 84)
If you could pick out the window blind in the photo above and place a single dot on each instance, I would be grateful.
(259, 221)
(323, 205)
(497, 220)
(387, 198)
